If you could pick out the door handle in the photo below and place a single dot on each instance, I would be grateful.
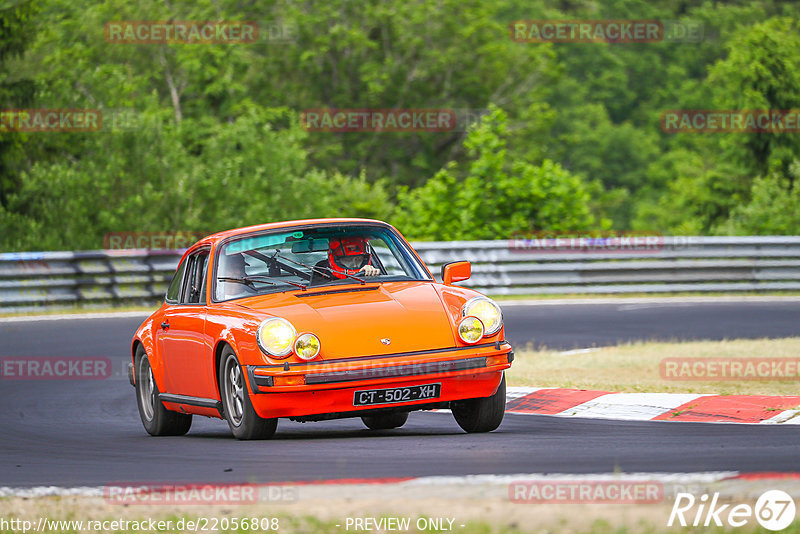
(165, 325)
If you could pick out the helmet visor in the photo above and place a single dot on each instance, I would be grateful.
(351, 262)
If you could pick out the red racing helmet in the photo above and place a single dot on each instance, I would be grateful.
(347, 255)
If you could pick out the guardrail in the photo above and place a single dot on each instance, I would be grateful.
(35, 280)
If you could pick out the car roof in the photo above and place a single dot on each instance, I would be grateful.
(219, 236)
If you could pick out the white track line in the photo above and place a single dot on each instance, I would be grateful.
(648, 300)
(73, 316)
(630, 406)
(700, 477)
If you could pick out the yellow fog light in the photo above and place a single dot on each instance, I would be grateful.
(487, 311)
(307, 346)
(275, 337)
(470, 329)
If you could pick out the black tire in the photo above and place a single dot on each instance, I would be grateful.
(385, 421)
(157, 420)
(481, 415)
(242, 418)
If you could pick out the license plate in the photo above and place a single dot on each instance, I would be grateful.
(392, 395)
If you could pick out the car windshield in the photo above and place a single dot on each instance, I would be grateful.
(311, 257)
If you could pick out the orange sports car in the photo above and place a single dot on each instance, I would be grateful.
(315, 320)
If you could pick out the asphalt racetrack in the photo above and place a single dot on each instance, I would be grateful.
(88, 433)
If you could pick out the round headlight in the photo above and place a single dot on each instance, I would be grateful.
(487, 311)
(470, 329)
(306, 346)
(275, 337)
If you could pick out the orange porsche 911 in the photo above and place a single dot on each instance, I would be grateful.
(315, 320)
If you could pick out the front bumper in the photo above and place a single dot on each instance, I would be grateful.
(326, 387)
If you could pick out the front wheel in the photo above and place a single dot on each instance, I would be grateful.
(157, 420)
(481, 415)
(242, 418)
(385, 421)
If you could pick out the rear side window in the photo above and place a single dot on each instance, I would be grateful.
(194, 284)
(174, 290)
(196, 294)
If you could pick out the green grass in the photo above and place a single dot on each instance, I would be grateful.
(635, 367)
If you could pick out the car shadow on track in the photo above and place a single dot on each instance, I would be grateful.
(323, 434)
(336, 429)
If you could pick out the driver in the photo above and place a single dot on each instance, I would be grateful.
(349, 256)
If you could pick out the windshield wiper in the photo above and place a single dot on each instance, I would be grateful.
(244, 281)
(270, 279)
(249, 281)
(318, 270)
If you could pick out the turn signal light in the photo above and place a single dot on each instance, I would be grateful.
(292, 380)
(496, 360)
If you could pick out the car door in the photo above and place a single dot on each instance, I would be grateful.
(185, 351)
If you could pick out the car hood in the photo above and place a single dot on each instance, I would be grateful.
(372, 319)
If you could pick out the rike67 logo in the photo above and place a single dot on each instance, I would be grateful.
(774, 510)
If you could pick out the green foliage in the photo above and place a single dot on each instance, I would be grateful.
(761, 72)
(186, 177)
(492, 196)
(16, 89)
(15, 27)
(773, 209)
(217, 143)
(713, 194)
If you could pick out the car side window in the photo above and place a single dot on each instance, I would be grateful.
(174, 290)
(194, 284)
(386, 258)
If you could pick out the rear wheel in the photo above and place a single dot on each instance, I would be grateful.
(385, 421)
(242, 418)
(481, 415)
(157, 420)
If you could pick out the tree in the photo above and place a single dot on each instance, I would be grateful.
(16, 34)
(492, 196)
(152, 178)
(773, 209)
(761, 72)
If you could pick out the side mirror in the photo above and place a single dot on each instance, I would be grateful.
(456, 271)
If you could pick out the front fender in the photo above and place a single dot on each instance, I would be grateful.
(230, 327)
(453, 299)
